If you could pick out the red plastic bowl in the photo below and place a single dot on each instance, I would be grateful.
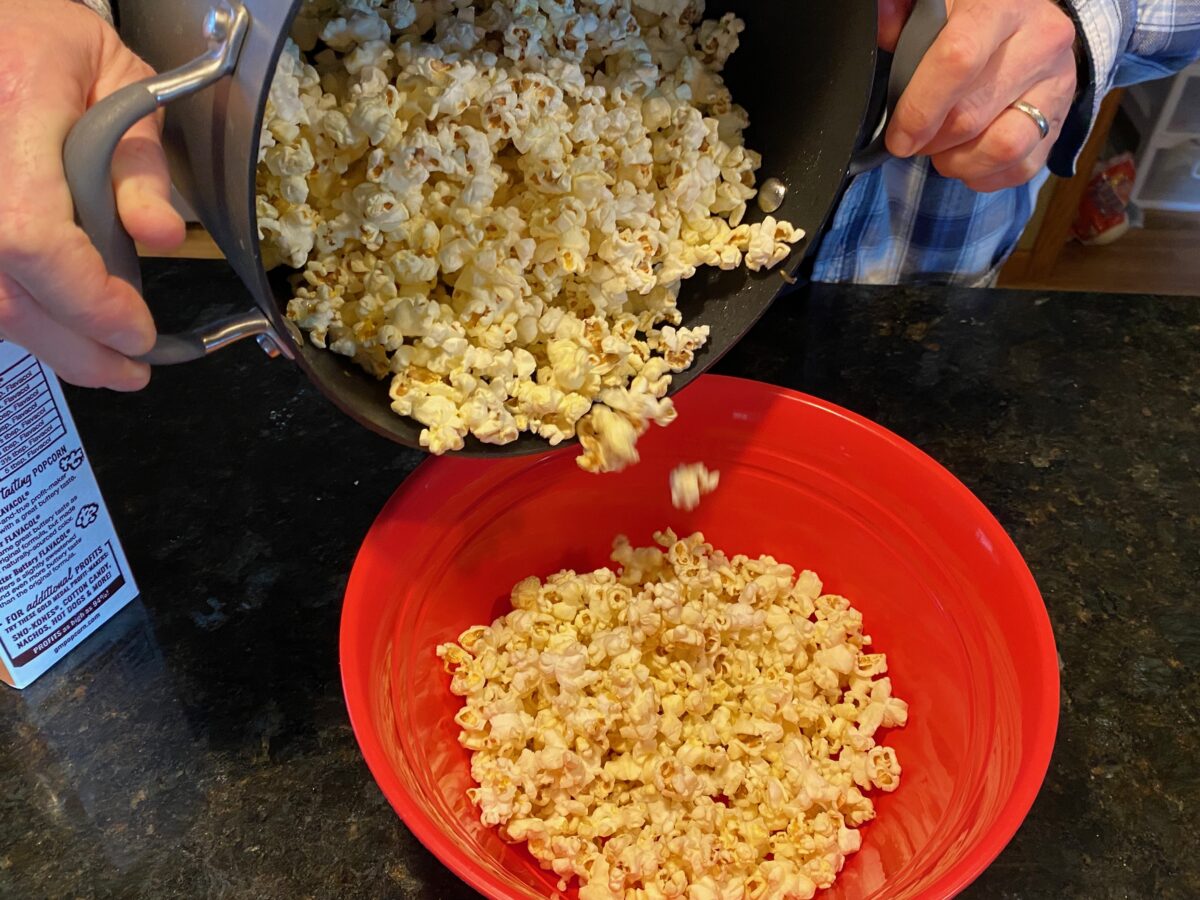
(944, 593)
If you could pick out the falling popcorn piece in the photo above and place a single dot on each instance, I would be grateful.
(493, 205)
(691, 482)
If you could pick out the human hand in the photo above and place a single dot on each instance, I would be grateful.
(57, 300)
(957, 109)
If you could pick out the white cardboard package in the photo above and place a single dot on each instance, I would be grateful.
(63, 573)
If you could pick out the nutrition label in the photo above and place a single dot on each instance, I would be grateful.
(62, 572)
(32, 420)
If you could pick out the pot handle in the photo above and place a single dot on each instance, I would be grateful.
(87, 160)
(926, 22)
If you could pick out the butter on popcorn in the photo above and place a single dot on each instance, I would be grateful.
(686, 724)
(509, 176)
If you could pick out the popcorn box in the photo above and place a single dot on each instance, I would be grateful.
(63, 573)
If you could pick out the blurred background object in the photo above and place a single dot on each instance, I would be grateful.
(1157, 124)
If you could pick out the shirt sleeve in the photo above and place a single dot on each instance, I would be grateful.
(101, 7)
(1124, 42)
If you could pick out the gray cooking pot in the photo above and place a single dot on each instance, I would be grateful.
(805, 72)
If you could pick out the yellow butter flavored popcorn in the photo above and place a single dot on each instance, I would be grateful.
(691, 482)
(685, 725)
(493, 205)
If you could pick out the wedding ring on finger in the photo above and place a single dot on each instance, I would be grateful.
(1042, 123)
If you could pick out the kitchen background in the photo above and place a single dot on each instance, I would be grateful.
(200, 744)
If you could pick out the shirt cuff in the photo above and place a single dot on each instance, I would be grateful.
(1099, 25)
(100, 7)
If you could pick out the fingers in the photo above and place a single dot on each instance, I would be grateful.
(143, 189)
(58, 298)
(1010, 151)
(1019, 65)
(77, 359)
(974, 32)
(957, 108)
(1040, 51)
(892, 16)
(140, 176)
(41, 248)
(1015, 176)
(61, 269)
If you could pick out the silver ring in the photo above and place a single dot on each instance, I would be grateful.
(1034, 113)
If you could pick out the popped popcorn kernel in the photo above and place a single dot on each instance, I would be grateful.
(460, 180)
(687, 724)
(689, 483)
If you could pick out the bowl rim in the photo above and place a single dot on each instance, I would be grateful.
(1031, 773)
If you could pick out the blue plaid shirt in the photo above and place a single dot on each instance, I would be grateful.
(903, 222)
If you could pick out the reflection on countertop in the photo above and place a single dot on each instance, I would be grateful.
(198, 744)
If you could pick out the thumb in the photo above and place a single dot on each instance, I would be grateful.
(141, 179)
(893, 14)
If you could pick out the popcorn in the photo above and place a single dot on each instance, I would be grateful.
(687, 725)
(510, 176)
(769, 244)
(691, 482)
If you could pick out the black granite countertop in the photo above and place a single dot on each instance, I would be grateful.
(198, 746)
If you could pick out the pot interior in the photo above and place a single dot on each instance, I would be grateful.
(803, 73)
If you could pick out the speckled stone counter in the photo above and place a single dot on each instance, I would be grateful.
(198, 745)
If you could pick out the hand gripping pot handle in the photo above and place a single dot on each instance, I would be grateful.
(926, 22)
(87, 159)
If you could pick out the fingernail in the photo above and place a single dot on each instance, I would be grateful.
(901, 144)
(133, 341)
(133, 377)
